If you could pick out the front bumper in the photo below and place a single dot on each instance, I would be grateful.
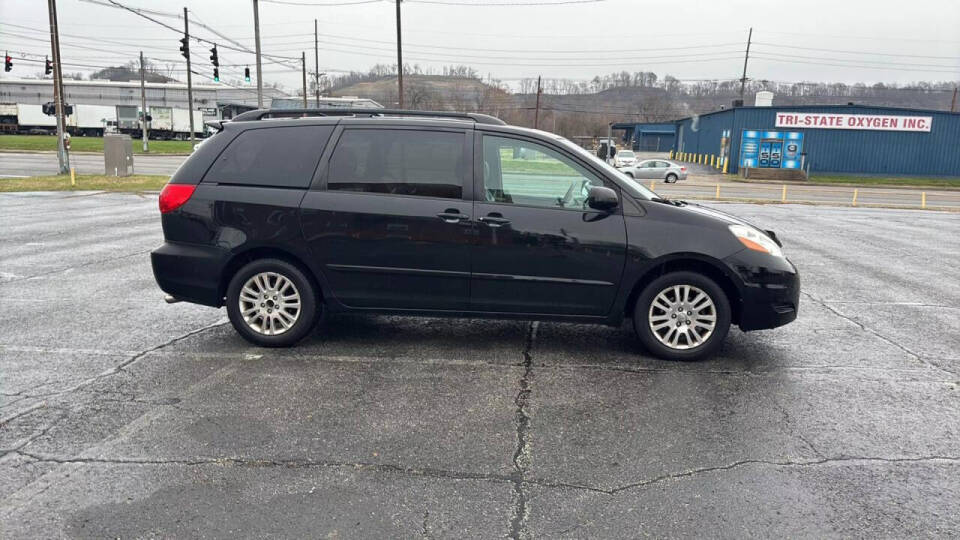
(190, 272)
(770, 296)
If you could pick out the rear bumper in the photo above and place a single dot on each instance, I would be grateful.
(190, 272)
(770, 296)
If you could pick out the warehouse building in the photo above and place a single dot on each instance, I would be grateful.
(648, 137)
(850, 139)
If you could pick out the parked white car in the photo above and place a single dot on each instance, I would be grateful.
(624, 158)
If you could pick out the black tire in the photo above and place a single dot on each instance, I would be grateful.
(630, 174)
(710, 345)
(671, 178)
(310, 308)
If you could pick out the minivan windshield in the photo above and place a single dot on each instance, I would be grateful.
(635, 188)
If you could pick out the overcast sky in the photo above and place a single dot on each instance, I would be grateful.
(864, 40)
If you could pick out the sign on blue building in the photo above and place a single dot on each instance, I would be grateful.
(771, 149)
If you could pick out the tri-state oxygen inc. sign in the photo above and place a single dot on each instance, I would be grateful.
(875, 122)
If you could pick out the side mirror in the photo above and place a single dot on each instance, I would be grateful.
(602, 198)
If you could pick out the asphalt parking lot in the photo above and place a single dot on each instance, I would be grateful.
(121, 416)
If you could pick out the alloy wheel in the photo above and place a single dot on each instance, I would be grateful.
(269, 303)
(682, 317)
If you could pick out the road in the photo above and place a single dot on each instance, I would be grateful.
(701, 185)
(37, 164)
(121, 416)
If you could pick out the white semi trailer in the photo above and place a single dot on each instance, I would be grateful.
(181, 123)
(90, 120)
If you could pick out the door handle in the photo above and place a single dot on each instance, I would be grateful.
(452, 217)
(495, 221)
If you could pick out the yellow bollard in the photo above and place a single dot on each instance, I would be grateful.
(717, 196)
(854, 203)
(651, 185)
(726, 165)
(700, 161)
(73, 176)
(783, 196)
(671, 154)
(713, 160)
(923, 199)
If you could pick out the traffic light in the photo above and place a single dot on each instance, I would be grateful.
(216, 63)
(47, 67)
(7, 63)
(246, 74)
(185, 47)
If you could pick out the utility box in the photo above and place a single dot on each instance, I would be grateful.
(118, 155)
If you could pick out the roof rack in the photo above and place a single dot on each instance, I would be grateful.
(261, 114)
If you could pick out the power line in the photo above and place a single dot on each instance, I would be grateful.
(858, 52)
(777, 59)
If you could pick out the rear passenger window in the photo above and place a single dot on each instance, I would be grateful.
(399, 162)
(275, 157)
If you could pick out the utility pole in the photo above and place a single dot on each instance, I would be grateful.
(256, 36)
(743, 79)
(186, 35)
(143, 100)
(316, 60)
(63, 155)
(303, 64)
(953, 102)
(536, 113)
(399, 61)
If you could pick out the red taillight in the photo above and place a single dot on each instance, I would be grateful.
(682, 169)
(173, 196)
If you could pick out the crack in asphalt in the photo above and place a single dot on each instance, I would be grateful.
(865, 328)
(110, 372)
(428, 472)
(785, 463)
(521, 456)
(26, 442)
(122, 366)
(788, 420)
(445, 474)
(425, 532)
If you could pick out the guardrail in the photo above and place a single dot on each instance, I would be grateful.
(784, 193)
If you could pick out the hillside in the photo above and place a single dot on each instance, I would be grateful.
(433, 92)
(586, 110)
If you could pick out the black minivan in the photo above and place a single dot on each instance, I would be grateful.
(284, 215)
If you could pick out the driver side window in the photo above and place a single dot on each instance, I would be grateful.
(522, 172)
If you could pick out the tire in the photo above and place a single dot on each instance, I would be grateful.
(690, 343)
(260, 278)
(671, 178)
(630, 174)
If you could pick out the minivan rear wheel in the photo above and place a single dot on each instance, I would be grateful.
(682, 316)
(271, 303)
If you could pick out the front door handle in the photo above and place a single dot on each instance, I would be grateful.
(495, 221)
(452, 216)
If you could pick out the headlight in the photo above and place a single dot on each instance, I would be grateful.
(756, 240)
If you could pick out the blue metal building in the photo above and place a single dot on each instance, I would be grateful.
(645, 137)
(852, 139)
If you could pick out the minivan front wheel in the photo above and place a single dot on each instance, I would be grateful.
(271, 303)
(682, 316)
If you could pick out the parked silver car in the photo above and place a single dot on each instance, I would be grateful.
(660, 169)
